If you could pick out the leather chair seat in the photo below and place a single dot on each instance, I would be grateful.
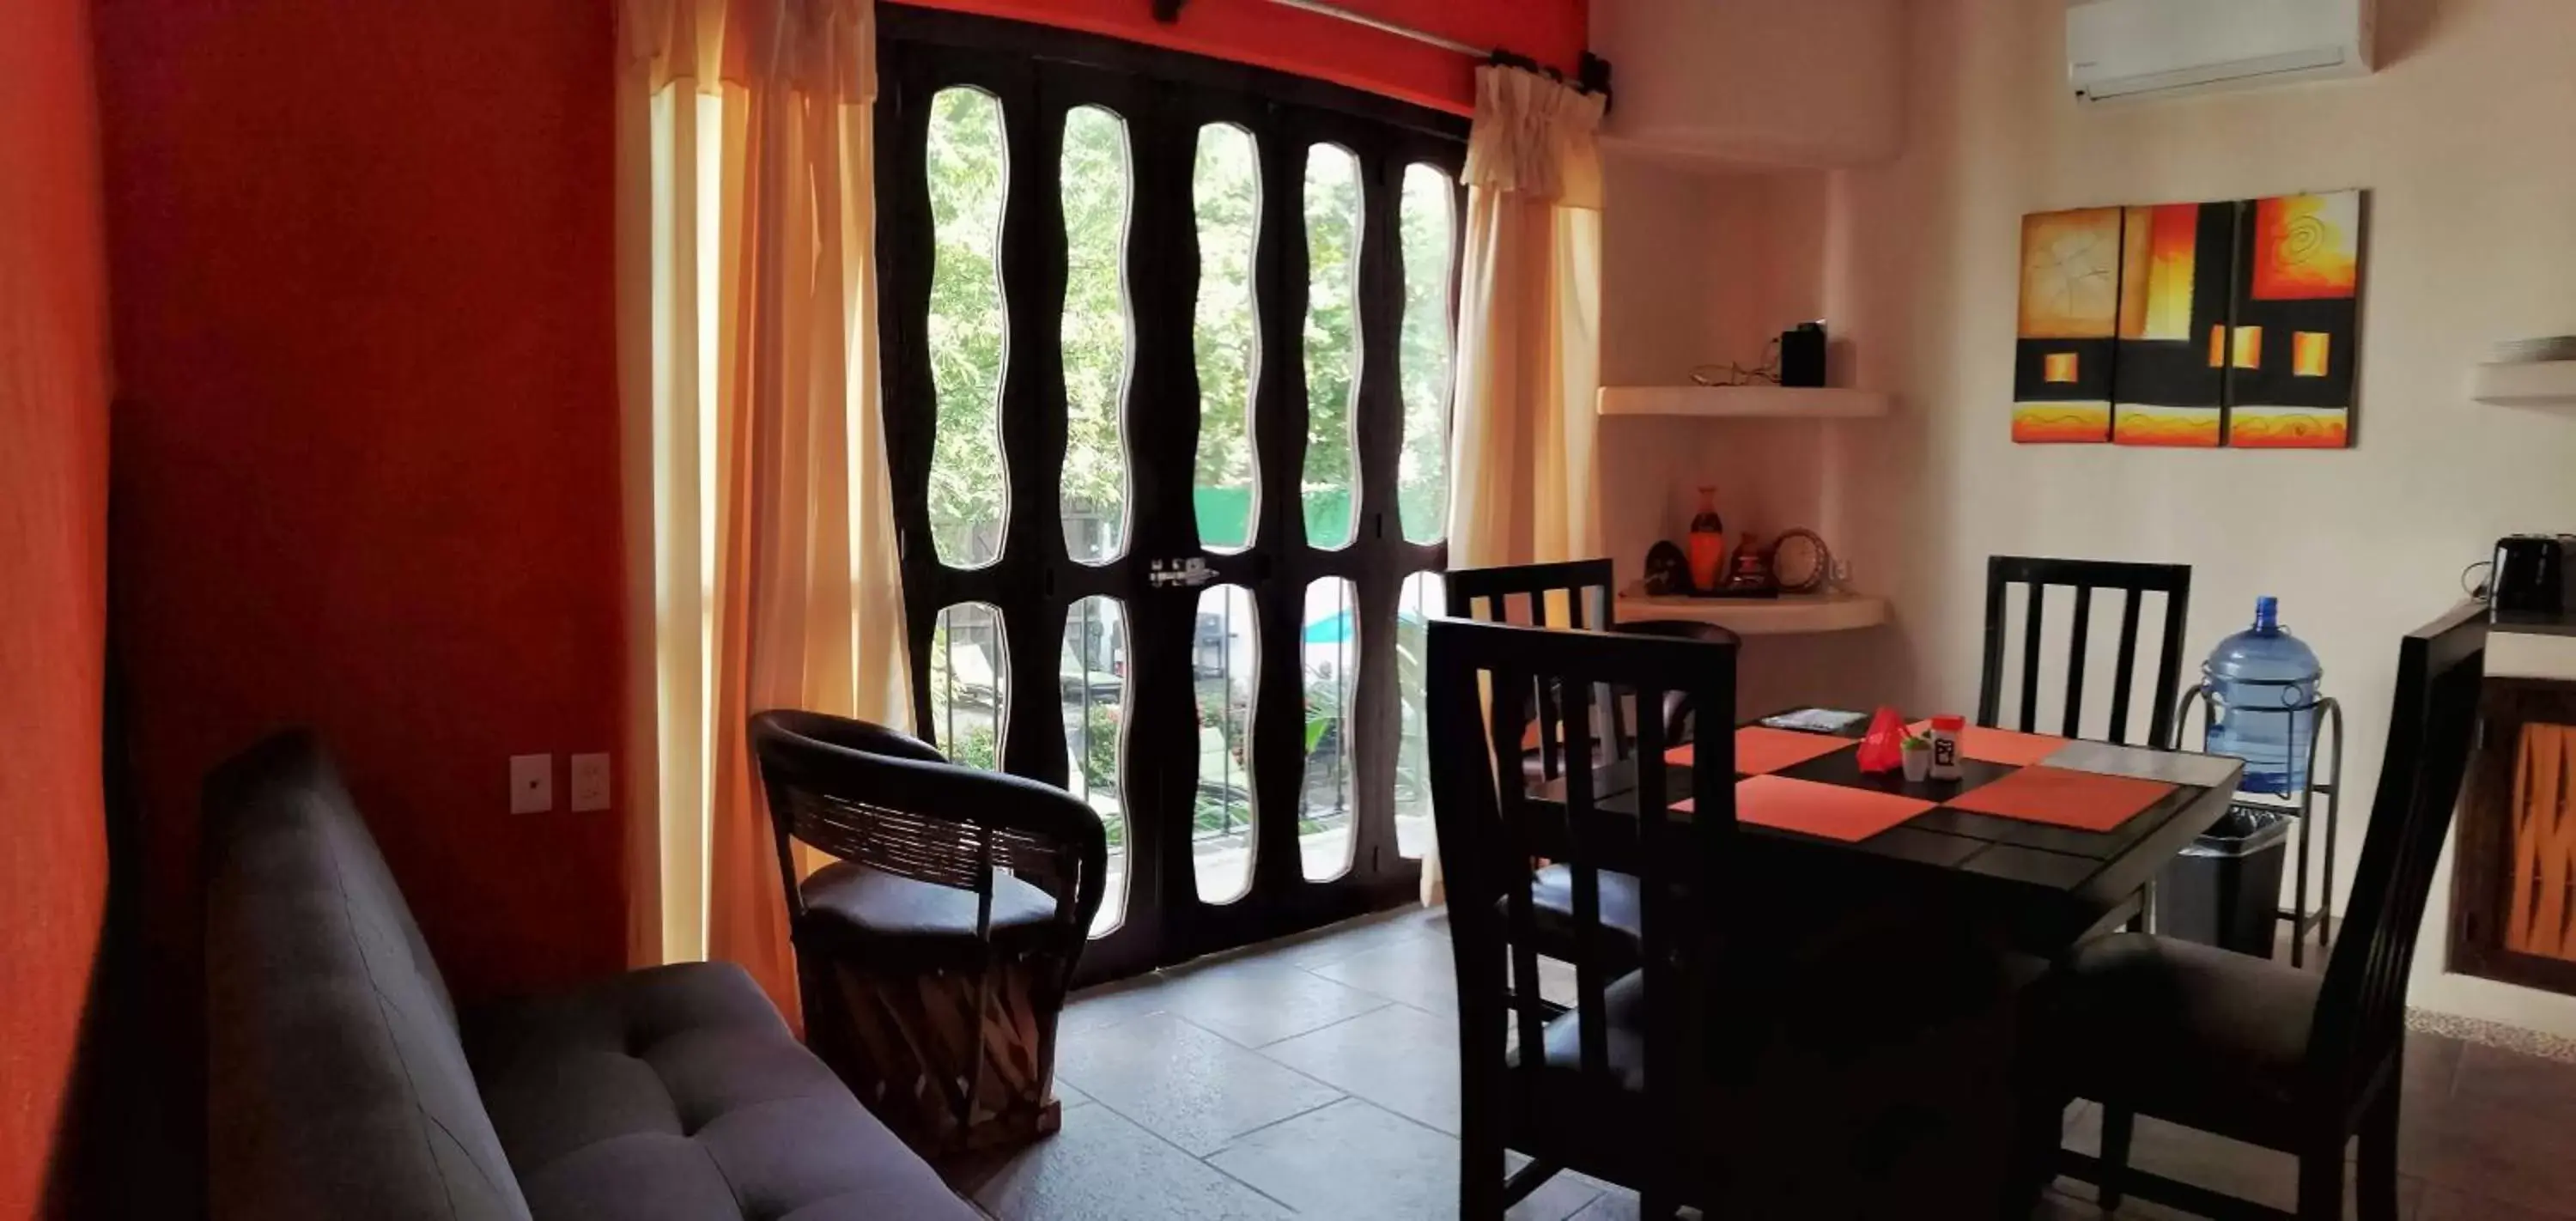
(2187, 1032)
(850, 900)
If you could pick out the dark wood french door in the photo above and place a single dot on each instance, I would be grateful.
(1166, 350)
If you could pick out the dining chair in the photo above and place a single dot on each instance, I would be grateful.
(1578, 1094)
(2264, 1053)
(1570, 594)
(2132, 582)
(1720, 1072)
(1578, 594)
(933, 955)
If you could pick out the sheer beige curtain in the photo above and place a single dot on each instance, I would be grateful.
(761, 531)
(1529, 320)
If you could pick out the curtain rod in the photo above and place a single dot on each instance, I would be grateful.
(1382, 24)
(1591, 74)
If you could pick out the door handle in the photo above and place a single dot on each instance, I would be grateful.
(1190, 573)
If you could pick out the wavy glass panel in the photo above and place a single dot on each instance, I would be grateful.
(1426, 220)
(1225, 674)
(1225, 186)
(969, 173)
(1091, 690)
(1096, 334)
(1328, 649)
(1329, 488)
(970, 684)
(1422, 596)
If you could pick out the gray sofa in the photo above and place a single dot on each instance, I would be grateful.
(343, 1083)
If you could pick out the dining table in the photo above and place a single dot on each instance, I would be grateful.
(2050, 838)
(2040, 843)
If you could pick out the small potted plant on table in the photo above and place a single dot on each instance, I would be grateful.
(1916, 753)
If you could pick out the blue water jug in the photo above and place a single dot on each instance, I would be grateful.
(2263, 693)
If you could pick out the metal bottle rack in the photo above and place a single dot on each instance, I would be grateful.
(2327, 785)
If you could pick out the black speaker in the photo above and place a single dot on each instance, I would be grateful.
(1802, 355)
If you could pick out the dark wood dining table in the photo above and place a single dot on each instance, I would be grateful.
(2047, 886)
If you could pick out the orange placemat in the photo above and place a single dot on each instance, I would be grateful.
(1829, 811)
(2008, 747)
(1761, 750)
(2086, 801)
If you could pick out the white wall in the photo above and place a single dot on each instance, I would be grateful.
(1704, 267)
(2463, 141)
(1759, 82)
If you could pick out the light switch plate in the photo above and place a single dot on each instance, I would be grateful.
(590, 782)
(532, 784)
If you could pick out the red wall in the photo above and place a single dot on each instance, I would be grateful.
(1271, 34)
(367, 475)
(53, 578)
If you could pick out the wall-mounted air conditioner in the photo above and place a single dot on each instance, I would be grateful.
(2120, 49)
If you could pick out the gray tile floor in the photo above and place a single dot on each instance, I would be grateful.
(1318, 1077)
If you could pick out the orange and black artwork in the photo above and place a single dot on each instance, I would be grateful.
(2191, 325)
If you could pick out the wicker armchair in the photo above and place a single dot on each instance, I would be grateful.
(934, 953)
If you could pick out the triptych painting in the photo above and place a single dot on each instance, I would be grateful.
(2209, 324)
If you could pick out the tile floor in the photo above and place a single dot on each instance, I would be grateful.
(1317, 1077)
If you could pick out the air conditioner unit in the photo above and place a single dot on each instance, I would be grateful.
(2118, 49)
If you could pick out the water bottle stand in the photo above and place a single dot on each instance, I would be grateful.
(2326, 785)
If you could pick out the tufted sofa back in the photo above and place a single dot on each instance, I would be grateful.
(338, 1087)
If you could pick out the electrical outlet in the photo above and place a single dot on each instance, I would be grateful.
(589, 782)
(532, 784)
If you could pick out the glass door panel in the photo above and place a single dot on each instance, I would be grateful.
(1329, 647)
(969, 176)
(1097, 186)
(1225, 674)
(1092, 690)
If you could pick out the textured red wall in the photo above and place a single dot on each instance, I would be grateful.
(367, 472)
(53, 578)
(369, 478)
(1276, 36)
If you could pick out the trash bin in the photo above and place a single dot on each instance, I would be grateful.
(2225, 889)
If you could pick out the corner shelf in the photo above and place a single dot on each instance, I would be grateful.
(1786, 615)
(1743, 402)
(2540, 383)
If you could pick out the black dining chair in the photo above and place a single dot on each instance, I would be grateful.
(934, 954)
(1577, 594)
(2132, 582)
(1723, 1072)
(2260, 1052)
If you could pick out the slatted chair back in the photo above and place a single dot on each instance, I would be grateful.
(1580, 594)
(1491, 828)
(884, 799)
(2132, 582)
(2432, 728)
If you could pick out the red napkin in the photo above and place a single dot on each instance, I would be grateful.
(2085, 801)
(1760, 749)
(2003, 746)
(1881, 749)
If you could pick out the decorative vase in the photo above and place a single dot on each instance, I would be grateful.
(1707, 543)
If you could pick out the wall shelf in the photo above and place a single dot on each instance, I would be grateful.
(2541, 383)
(1742, 402)
(1786, 615)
